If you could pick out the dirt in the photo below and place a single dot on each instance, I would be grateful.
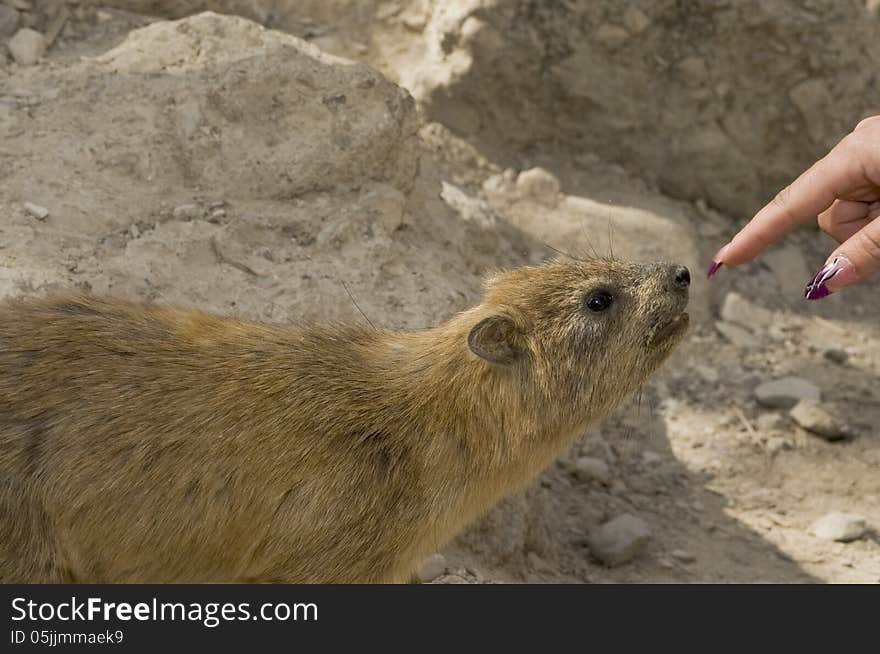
(215, 164)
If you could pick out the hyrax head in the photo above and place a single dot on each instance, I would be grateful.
(580, 335)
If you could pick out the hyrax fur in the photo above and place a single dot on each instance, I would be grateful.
(157, 444)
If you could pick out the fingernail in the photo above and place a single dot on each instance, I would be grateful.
(713, 268)
(829, 278)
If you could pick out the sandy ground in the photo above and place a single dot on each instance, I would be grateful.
(727, 488)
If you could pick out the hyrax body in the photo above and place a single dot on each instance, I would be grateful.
(155, 444)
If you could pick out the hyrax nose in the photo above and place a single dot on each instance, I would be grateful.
(681, 277)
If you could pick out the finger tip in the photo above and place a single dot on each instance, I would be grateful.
(713, 268)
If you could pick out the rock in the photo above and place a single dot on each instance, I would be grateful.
(739, 336)
(35, 210)
(785, 393)
(433, 567)
(789, 268)
(635, 20)
(842, 527)
(8, 21)
(27, 46)
(597, 447)
(611, 37)
(709, 375)
(619, 540)
(813, 100)
(693, 70)
(588, 469)
(739, 310)
(682, 556)
(813, 417)
(539, 185)
(836, 355)
(471, 209)
(186, 212)
(264, 148)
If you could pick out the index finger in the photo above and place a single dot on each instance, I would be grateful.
(805, 198)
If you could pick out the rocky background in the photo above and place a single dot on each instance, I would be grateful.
(268, 162)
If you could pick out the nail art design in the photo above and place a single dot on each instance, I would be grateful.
(817, 289)
(713, 268)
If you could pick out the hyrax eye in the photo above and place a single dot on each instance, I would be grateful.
(599, 301)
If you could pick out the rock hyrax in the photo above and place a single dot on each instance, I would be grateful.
(156, 444)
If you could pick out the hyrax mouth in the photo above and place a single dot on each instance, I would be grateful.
(669, 329)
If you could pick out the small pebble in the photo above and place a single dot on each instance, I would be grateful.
(588, 468)
(785, 393)
(35, 210)
(842, 527)
(186, 212)
(27, 46)
(683, 556)
(813, 417)
(619, 540)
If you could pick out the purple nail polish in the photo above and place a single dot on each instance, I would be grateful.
(816, 288)
(816, 292)
(713, 268)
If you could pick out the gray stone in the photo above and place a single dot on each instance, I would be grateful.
(8, 21)
(739, 336)
(619, 540)
(789, 268)
(433, 567)
(813, 417)
(589, 469)
(27, 46)
(785, 393)
(739, 310)
(843, 527)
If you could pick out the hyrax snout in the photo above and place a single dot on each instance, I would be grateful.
(143, 443)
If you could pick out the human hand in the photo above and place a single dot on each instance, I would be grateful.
(843, 188)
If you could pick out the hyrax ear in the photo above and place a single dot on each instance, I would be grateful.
(495, 339)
